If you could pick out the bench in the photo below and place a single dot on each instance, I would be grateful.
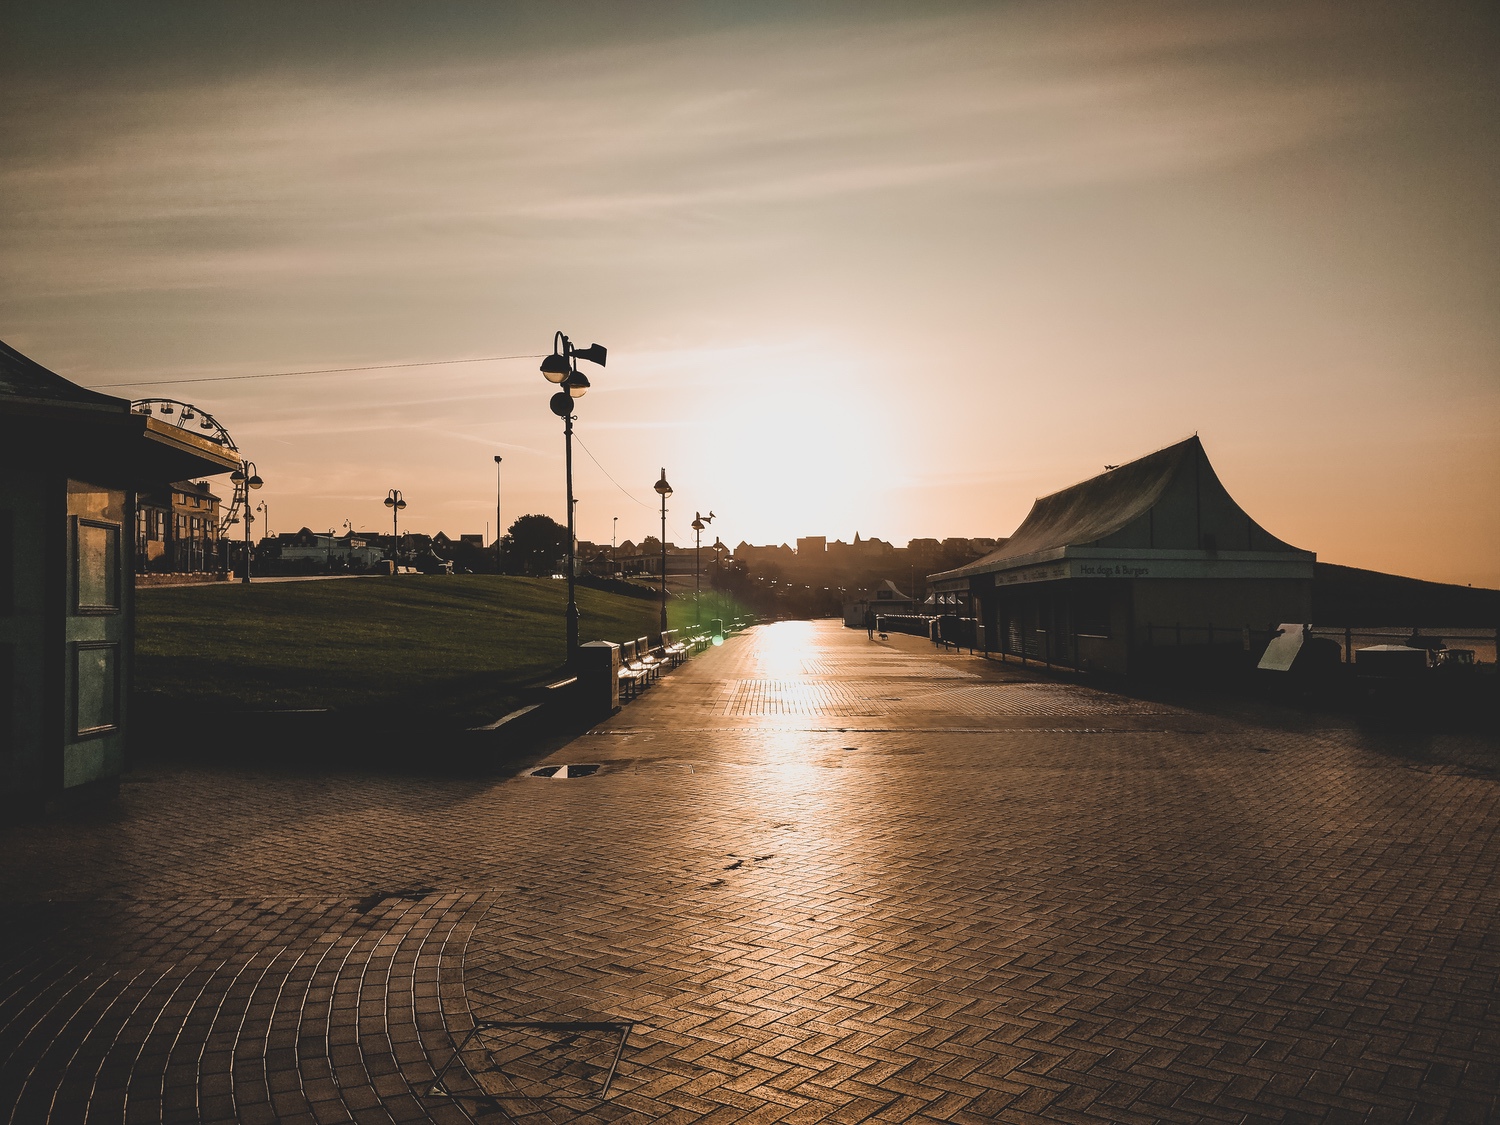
(648, 658)
(638, 652)
(632, 677)
(676, 651)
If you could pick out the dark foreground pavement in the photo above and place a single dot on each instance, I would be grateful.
(830, 879)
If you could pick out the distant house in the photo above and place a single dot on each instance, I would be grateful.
(177, 528)
(1149, 553)
(311, 546)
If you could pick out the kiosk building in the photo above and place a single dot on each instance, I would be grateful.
(1148, 555)
(71, 463)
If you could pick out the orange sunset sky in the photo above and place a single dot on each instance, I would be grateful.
(887, 268)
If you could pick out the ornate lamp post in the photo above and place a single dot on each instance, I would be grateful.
(663, 489)
(244, 479)
(561, 367)
(395, 503)
(700, 521)
(719, 549)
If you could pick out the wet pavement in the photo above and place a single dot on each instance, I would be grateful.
(814, 878)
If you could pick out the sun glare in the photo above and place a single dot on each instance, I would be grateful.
(807, 445)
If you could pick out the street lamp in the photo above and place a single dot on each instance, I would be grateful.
(700, 521)
(265, 511)
(395, 503)
(561, 367)
(244, 479)
(663, 489)
(719, 550)
(498, 533)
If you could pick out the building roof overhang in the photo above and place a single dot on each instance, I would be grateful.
(48, 422)
(1134, 563)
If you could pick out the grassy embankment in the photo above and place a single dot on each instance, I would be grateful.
(459, 649)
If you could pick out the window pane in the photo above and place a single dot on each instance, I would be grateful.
(98, 554)
(96, 690)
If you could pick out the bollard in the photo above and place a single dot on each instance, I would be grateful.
(599, 679)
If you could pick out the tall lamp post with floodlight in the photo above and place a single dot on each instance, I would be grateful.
(700, 521)
(561, 367)
(663, 489)
(244, 479)
(396, 504)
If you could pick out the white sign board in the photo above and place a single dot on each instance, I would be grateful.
(1284, 647)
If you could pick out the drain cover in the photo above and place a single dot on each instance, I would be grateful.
(520, 1068)
(565, 771)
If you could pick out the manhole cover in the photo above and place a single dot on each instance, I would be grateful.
(565, 771)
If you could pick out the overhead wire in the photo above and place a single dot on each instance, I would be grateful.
(671, 524)
(374, 367)
(605, 471)
(315, 371)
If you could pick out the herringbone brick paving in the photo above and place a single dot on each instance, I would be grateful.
(914, 887)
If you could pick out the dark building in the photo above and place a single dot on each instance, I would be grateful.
(1152, 553)
(71, 463)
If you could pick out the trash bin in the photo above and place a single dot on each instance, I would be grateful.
(599, 678)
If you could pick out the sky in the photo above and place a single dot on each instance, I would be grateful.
(894, 269)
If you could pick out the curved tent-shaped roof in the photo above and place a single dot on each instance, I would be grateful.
(1170, 500)
(46, 419)
(22, 377)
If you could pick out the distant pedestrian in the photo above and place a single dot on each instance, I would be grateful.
(869, 623)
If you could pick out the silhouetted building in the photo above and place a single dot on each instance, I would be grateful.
(1146, 555)
(307, 546)
(72, 461)
(811, 549)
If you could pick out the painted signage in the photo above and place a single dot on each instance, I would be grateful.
(1138, 567)
(1046, 573)
(1083, 569)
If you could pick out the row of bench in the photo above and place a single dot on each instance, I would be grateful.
(641, 664)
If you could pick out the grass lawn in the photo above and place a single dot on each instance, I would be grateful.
(464, 646)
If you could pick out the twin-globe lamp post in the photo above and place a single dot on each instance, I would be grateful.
(700, 521)
(663, 489)
(244, 479)
(395, 503)
(561, 367)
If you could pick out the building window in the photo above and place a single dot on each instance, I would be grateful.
(96, 567)
(1091, 610)
(96, 688)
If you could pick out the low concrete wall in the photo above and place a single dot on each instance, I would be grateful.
(144, 580)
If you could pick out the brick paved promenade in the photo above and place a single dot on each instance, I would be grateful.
(832, 880)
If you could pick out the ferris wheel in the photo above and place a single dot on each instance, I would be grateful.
(183, 415)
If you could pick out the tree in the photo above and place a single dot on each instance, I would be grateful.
(535, 545)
